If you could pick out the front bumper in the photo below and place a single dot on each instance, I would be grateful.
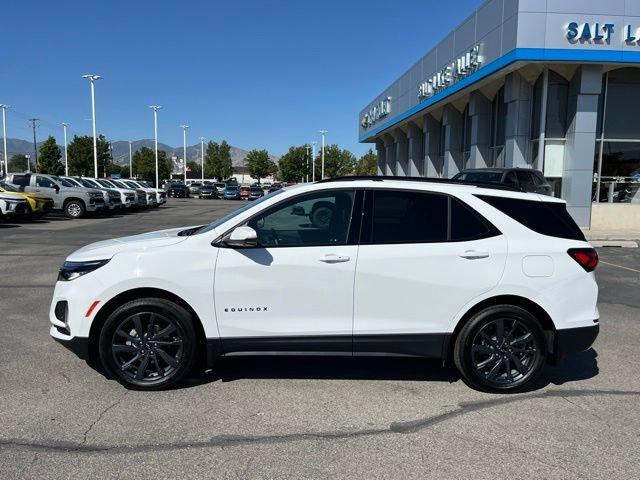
(574, 340)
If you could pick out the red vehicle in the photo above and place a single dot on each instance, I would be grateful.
(244, 193)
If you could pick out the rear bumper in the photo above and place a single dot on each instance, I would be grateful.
(574, 340)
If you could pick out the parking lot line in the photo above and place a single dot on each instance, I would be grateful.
(620, 266)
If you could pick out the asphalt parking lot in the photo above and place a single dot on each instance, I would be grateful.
(301, 417)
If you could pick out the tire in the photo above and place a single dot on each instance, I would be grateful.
(74, 209)
(507, 359)
(321, 215)
(148, 364)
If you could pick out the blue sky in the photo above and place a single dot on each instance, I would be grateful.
(261, 74)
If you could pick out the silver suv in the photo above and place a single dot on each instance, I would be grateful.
(74, 201)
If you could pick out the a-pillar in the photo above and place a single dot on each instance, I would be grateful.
(517, 99)
(480, 114)
(389, 155)
(401, 152)
(577, 170)
(416, 156)
(431, 132)
(381, 151)
(453, 125)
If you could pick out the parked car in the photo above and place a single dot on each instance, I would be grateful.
(141, 195)
(111, 197)
(232, 192)
(74, 201)
(208, 191)
(525, 179)
(12, 205)
(178, 190)
(494, 279)
(244, 193)
(220, 186)
(194, 188)
(39, 205)
(275, 187)
(255, 192)
(160, 194)
(127, 196)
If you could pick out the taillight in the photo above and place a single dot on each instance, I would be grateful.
(586, 257)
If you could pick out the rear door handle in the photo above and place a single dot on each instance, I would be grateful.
(333, 258)
(473, 255)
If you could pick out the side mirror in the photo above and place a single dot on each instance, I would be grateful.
(242, 237)
(57, 188)
(298, 210)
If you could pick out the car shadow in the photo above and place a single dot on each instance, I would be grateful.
(9, 225)
(573, 368)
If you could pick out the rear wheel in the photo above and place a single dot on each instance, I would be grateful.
(148, 344)
(74, 209)
(501, 349)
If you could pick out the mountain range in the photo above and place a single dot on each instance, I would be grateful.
(120, 150)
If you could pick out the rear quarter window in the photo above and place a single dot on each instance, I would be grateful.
(545, 218)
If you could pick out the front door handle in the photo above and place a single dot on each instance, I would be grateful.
(333, 258)
(473, 255)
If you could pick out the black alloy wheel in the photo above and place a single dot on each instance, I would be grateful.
(148, 344)
(501, 348)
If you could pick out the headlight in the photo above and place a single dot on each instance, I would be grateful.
(72, 270)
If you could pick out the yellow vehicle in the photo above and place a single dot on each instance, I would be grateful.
(38, 204)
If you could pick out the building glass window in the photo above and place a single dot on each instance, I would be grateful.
(466, 137)
(617, 156)
(498, 129)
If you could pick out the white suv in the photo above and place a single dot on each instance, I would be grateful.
(494, 280)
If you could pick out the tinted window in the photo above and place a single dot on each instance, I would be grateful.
(546, 218)
(467, 224)
(22, 180)
(44, 182)
(479, 176)
(526, 181)
(409, 217)
(510, 179)
(321, 218)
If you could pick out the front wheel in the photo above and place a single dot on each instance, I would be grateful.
(74, 209)
(148, 344)
(501, 349)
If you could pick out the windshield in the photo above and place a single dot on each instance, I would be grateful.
(226, 218)
(8, 187)
(131, 184)
(104, 183)
(72, 181)
(232, 189)
(89, 183)
(119, 184)
(221, 185)
(67, 183)
(481, 177)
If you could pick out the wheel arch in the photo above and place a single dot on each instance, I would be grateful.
(514, 300)
(128, 295)
(69, 199)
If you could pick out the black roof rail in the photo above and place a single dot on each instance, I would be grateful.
(380, 178)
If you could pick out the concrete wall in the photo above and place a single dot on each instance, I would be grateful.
(615, 216)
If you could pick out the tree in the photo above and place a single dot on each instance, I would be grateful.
(217, 161)
(80, 153)
(259, 165)
(194, 170)
(49, 158)
(144, 164)
(337, 162)
(18, 163)
(295, 164)
(367, 164)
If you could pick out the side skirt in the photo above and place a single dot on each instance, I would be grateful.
(430, 345)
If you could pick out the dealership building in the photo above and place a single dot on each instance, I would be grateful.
(547, 84)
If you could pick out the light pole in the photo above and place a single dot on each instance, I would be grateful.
(202, 157)
(130, 161)
(313, 161)
(92, 79)
(184, 150)
(66, 156)
(4, 137)
(28, 157)
(155, 109)
(307, 169)
(322, 132)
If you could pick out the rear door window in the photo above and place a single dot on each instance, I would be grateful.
(467, 224)
(545, 218)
